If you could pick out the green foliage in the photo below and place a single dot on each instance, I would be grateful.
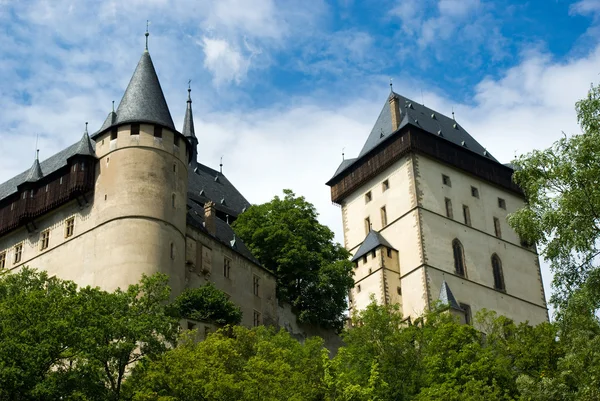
(207, 304)
(57, 341)
(237, 364)
(562, 186)
(313, 274)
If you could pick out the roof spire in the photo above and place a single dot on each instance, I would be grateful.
(147, 34)
(84, 147)
(35, 172)
(188, 125)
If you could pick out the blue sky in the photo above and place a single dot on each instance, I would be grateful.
(280, 87)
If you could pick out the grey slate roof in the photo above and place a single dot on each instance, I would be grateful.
(447, 298)
(35, 172)
(224, 232)
(84, 146)
(188, 121)
(48, 166)
(372, 241)
(111, 119)
(202, 187)
(143, 100)
(417, 115)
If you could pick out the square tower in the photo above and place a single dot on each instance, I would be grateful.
(424, 209)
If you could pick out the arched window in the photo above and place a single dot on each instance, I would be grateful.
(497, 270)
(459, 258)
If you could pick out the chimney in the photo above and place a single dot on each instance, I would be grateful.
(209, 218)
(394, 111)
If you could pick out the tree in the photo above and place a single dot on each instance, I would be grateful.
(57, 341)
(236, 364)
(562, 187)
(314, 274)
(208, 304)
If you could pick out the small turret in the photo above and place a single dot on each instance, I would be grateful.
(35, 172)
(188, 127)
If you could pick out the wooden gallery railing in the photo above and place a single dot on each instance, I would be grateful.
(35, 199)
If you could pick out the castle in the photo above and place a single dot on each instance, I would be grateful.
(424, 213)
(424, 210)
(132, 199)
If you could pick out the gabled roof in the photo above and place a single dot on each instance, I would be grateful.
(48, 166)
(143, 101)
(372, 241)
(416, 115)
(447, 298)
(205, 184)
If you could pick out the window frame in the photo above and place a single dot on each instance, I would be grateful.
(501, 203)
(458, 252)
(367, 225)
(3, 259)
(44, 239)
(18, 253)
(498, 273)
(449, 211)
(256, 285)
(497, 227)
(383, 213)
(467, 215)
(446, 180)
(385, 185)
(226, 267)
(368, 197)
(134, 129)
(69, 227)
(474, 192)
(257, 318)
(467, 311)
(158, 131)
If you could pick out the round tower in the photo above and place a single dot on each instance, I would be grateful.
(140, 198)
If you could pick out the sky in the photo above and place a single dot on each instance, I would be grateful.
(281, 88)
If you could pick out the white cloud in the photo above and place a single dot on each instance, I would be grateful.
(585, 7)
(224, 61)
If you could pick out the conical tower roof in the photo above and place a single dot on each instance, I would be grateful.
(35, 172)
(188, 121)
(447, 298)
(84, 147)
(111, 119)
(144, 100)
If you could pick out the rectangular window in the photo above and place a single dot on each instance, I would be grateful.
(467, 310)
(358, 289)
(446, 180)
(226, 267)
(365, 259)
(501, 203)
(172, 251)
(389, 252)
(372, 254)
(367, 225)
(467, 215)
(449, 208)
(383, 217)
(257, 318)
(135, 129)
(2, 260)
(368, 197)
(113, 133)
(60, 182)
(157, 131)
(474, 192)
(45, 239)
(69, 227)
(385, 185)
(497, 228)
(175, 140)
(256, 285)
(18, 252)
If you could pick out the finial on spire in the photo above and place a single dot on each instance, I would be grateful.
(453, 113)
(391, 85)
(113, 106)
(343, 154)
(37, 154)
(221, 166)
(189, 91)
(86, 131)
(147, 33)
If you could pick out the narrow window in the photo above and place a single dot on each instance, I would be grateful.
(501, 203)
(172, 251)
(356, 265)
(24, 195)
(75, 167)
(383, 217)
(82, 166)
(173, 200)
(60, 182)
(227, 267)
(18, 252)
(113, 133)
(446, 180)
(31, 194)
(497, 271)
(69, 227)
(135, 129)
(385, 185)
(459, 258)
(368, 197)
(372, 254)
(474, 192)
(399, 290)
(449, 208)
(257, 319)
(256, 285)
(174, 167)
(157, 131)
(367, 225)
(45, 240)
(175, 140)
(389, 252)
(370, 271)
(467, 215)
(467, 310)
(358, 288)
(46, 187)
(365, 259)
(497, 228)
(2, 260)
